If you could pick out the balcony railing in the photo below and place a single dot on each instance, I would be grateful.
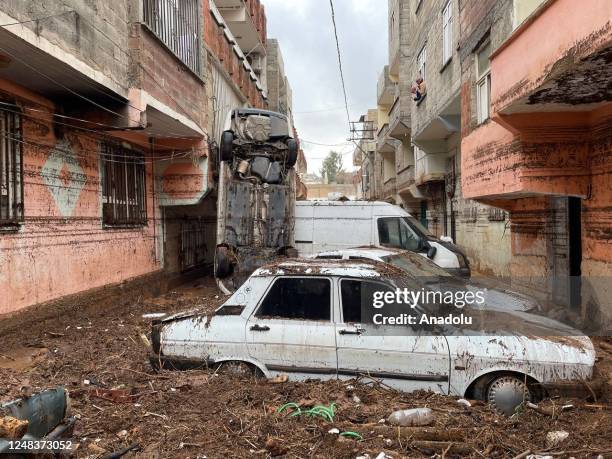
(405, 178)
(389, 188)
(177, 24)
(386, 88)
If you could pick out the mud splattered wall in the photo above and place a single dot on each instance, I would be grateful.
(62, 246)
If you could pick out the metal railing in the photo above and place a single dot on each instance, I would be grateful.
(11, 169)
(177, 24)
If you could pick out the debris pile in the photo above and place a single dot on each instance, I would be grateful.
(121, 406)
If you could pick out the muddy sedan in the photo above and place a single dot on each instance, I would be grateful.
(305, 319)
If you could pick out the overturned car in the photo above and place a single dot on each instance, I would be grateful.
(256, 194)
(310, 318)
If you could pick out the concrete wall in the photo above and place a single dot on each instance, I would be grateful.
(89, 30)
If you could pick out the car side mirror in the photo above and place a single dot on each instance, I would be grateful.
(431, 252)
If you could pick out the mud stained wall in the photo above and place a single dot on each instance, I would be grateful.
(62, 246)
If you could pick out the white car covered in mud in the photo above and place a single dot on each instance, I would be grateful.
(304, 318)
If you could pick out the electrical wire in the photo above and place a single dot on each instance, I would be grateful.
(37, 19)
(333, 18)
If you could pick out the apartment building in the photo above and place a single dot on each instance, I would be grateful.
(418, 152)
(110, 114)
(539, 142)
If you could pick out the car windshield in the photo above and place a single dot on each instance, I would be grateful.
(416, 265)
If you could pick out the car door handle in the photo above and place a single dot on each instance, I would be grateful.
(259, 328)
(356, 331)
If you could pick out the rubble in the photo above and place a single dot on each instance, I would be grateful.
(186, 414)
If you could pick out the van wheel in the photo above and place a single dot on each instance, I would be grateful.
(506, 393)
(292, 155)
(226, 148)
(223, 265)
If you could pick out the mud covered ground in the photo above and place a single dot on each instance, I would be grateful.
(94, 345)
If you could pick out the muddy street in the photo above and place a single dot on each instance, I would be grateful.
(96, 351)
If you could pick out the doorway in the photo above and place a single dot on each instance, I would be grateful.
(565, 250)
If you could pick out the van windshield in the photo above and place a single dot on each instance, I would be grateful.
(402, 233)
(418, 226)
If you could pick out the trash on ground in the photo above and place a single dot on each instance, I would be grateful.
(412, 417)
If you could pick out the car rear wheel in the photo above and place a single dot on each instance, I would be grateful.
(226, 147)
(506, 393)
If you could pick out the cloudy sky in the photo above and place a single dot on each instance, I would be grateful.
(305, 33)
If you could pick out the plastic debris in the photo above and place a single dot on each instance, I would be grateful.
(555, 437)
(411, 417)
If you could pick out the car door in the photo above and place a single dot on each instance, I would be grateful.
(292, 329)
(407, 362)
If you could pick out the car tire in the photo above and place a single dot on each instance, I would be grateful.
(292, 154)
(235, 368)
(505, 393)
(226, 149)
(223, 264)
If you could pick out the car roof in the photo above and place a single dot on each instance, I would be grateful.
(317, 267)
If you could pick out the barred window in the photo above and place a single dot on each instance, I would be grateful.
(11, 169)
(124, 199)
(177, 24)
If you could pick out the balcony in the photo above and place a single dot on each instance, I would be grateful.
(540, 112)
(429, 167)
(386, 88)
(544, 78)
(405, 179)
(399, 122)
(389, 189)
(247, 21)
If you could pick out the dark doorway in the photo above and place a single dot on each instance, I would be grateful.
(565, 250)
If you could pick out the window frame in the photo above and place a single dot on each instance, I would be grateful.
(447, 32)
(483, 84)
(114, 160)
(256, 311)
(11, 169)
(341, 320)
(422, 62)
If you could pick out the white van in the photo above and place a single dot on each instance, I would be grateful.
(336, 225)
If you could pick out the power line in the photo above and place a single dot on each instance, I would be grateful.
(324, 144)
(36, 19)
(333, 18)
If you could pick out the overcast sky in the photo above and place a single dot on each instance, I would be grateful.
(305, 34)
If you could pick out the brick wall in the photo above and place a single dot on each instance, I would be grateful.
(219, 46)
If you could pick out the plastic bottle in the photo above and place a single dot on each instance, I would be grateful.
(411, 417)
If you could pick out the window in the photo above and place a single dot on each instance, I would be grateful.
(422, 62)
(447, 32)
(301, 298)
(176, 23)
(483, 82)
(124, 201)
(11, 169)
(395, 232)
(358, 296)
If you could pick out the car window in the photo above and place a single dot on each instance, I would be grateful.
(300, 298)
(395, 232)
(358, 294)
